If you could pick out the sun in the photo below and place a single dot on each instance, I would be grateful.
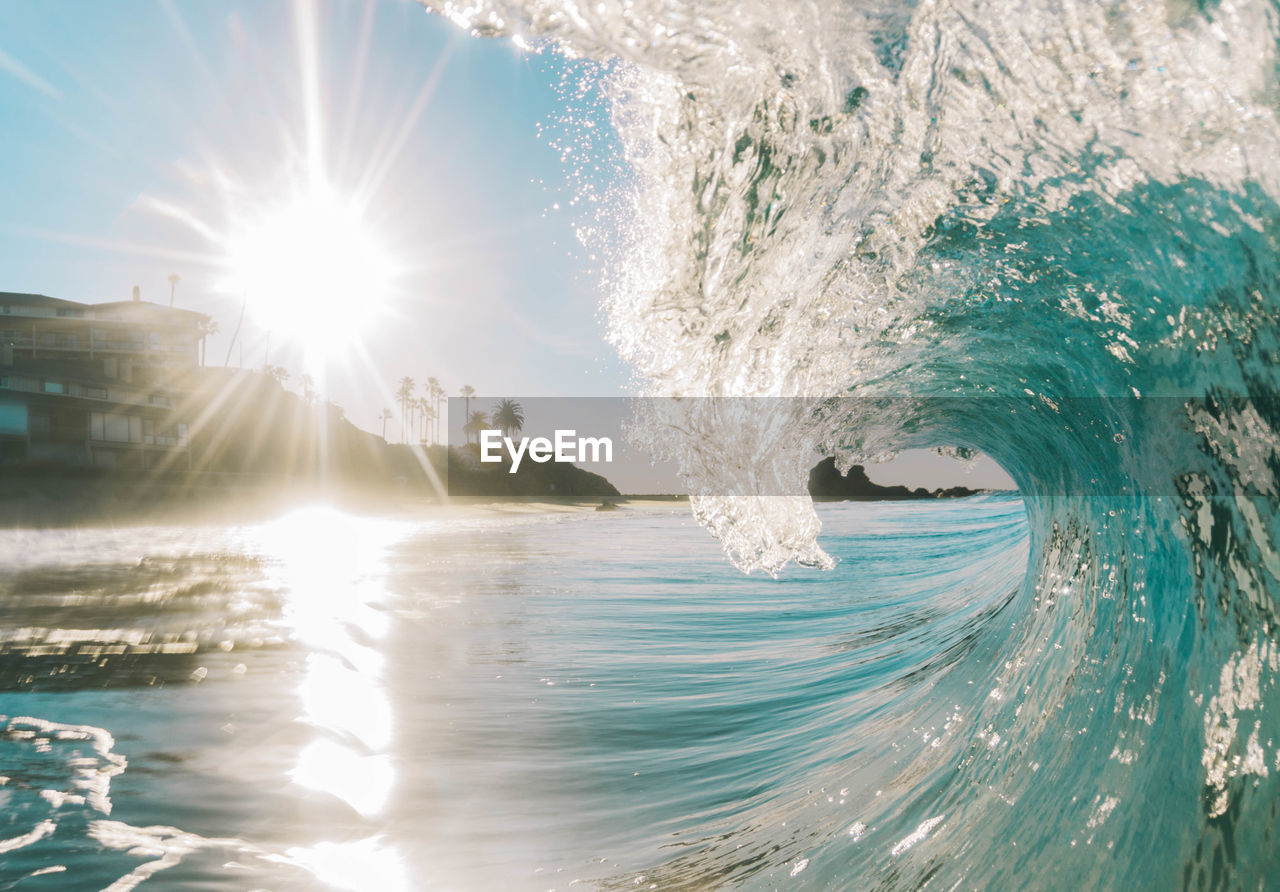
(312, 271)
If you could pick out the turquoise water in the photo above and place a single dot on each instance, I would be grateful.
(498, 702)
(1045, 230)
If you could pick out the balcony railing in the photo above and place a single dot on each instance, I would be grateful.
(116, 396)
(26, 344)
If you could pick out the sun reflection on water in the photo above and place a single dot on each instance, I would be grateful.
(367, 864)
(332, 567)
(363, 782)
(347, 701)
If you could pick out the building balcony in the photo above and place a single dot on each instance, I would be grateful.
(113, 395)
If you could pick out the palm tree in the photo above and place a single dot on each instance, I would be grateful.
(404, 393)
(424, 406)
(276, 373)
(204, 328)
(308, 389)
(435, 392)
(476, 422)
(508, 415)
(442, 403)
(174, 279)
(385, 416)
(467, 392)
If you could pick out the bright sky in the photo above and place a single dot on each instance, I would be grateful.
(143, 138)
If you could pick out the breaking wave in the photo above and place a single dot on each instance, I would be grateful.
(1010, 206)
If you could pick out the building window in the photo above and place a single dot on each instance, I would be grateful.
(13, 419)
(58, 340)
(54, 387)
(115, 428)
(41, 427)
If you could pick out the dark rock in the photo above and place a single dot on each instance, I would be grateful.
(826, 483)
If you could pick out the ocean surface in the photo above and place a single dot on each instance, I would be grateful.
(526, 702)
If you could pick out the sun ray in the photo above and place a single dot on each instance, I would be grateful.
(356, 84)
(383, 159)
(177, 212)
(190, 46)
(25, 75)
(308, 42)
(119, 245)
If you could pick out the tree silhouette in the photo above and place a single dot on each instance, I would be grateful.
(428, 413)
(476, 422)
(467, 392)
(204, 328)
(508, 416)
(435, 393)
(386, 416)
(404, 393)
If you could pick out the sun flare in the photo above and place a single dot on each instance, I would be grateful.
(312, 271)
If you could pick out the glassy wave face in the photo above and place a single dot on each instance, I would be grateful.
(973, 199)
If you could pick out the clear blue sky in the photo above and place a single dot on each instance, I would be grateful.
(113, 112)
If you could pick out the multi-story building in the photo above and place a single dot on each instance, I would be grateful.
(100, 385)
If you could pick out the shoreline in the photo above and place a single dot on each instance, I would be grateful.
(62, 499)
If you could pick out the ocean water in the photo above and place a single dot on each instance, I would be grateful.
(513, 701)
(1047, 231)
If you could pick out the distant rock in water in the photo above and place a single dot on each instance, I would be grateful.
(826, 483)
